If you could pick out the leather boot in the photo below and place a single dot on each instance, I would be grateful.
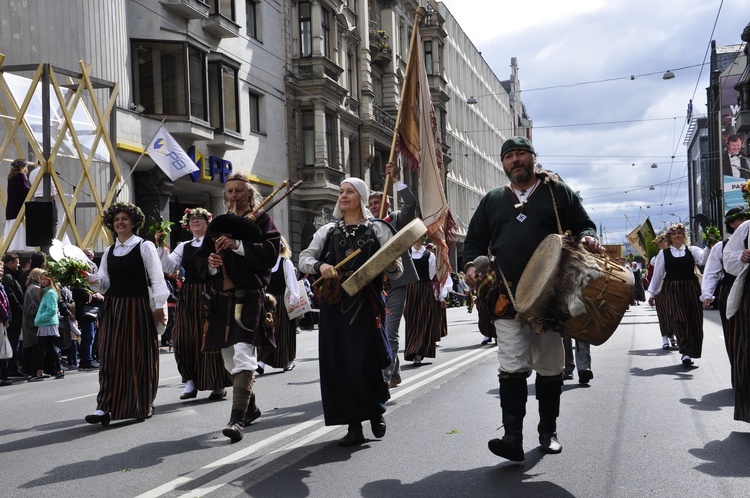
(548, 390)
(253, 413)
(354, 436)
(242, 390)
(513, 394)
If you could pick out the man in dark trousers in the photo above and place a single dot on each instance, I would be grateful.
(510, 222)
(396, 296)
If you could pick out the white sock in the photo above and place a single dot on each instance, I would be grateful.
(99, 412)
(189, 387)
(666, 341)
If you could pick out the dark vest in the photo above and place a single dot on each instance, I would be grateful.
(127, 274)
(422, 265)
(679, 268)
(188, 264)
(277, 285)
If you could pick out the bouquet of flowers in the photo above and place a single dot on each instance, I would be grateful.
(68, 272)
(711, 235)
(162, 227)
(746, 191)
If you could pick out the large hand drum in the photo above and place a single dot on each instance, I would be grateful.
(385, 256)
(585, 294)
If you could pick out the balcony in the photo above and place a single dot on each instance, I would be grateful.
(227, 140)
(221, 26)
(188, 9)
(383, 56)
(383, 118)
(191, 130)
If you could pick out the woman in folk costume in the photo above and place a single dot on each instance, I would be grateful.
(421, 310)
(130, 270)
(283, 277)
(353, 347)
(665, 325)
(200, 371)
(674, 278)
(736, 259)
(236, 257)
(717, 282)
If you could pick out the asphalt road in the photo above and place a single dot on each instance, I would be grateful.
(646, 426)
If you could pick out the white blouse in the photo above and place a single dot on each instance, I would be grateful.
(657, 279)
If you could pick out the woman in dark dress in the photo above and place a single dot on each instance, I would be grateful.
(351, 342)
(675, 280)
(200, 371)
(421, 308)
(128, 341)
(18, 190)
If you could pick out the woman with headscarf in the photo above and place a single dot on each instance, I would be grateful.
(200, 371)
(352, 346)
(674, 278)
(130, 270)
(283, 277)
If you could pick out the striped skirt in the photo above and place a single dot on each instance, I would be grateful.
(739, 329)
(286, 339)
(664, 322)
(129, 357)
(423, 323)
(684, 312)
(206, 369)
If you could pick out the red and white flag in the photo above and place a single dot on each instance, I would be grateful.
(419, 143)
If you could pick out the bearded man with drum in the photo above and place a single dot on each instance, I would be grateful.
(510, 222)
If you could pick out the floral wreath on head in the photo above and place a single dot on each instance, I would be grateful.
(135, 213)
(195, 212)
(743, 213)
(711, 235)
(658, 239)
(746, 191)
(676, 226)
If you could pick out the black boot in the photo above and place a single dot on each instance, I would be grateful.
(354, 436)
(233, 430)
(242, 392)
(253, 413)
(548, 390)
(513, 394)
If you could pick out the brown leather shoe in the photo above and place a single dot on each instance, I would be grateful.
(233, 431)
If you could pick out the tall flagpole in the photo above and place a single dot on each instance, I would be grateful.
(387, 185)
(130, 173)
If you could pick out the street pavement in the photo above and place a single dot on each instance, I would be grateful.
(645, 426)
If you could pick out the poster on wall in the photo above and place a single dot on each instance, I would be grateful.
(734, 161)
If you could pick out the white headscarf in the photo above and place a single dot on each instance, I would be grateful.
(364, 194)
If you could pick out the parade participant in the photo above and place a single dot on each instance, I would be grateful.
(352, 348)
(396, 294)
(665, 325)
(674, 276)
(736, 258)
(47, 321)
(717, 281)
(640, 293)
(128, 341)
(283, 276)
(200, 370)
(236, 257)
(510, 222)
(422, 322)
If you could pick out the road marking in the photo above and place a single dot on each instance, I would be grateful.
(414, 383)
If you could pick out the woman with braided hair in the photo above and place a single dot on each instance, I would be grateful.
(351, 340)
(128, 340)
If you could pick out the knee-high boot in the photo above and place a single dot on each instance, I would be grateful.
(548, 390)
(513, 394)
(242, 391)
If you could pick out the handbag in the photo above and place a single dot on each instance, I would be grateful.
(90, 312)
(300, 307)
(6, 351)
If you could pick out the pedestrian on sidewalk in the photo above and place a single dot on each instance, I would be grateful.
(510, 222)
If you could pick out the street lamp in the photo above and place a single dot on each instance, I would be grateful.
(668, 75)
(471, 100)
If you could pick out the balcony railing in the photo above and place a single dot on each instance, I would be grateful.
(382, 117)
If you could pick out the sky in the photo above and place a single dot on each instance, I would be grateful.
(563, 44)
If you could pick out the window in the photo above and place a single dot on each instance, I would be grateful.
(351, 74)
(308, 139)
(330, 144)
(224, 87)
(252, 18)
(255, 100)
(428, 56)
(305, 29)
(224, 8)
(326, 24)
(169, 79)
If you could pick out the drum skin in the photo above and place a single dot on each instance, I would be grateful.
(605, 295)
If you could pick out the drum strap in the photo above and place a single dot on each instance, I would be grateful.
(554, 205)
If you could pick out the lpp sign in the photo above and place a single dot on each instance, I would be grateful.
(210, 168)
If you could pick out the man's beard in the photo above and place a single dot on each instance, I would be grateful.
(523, 177)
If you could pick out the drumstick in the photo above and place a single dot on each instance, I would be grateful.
(339, 265)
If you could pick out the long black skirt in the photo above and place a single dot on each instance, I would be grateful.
(684, 312)
(739, 329)
(205, 369)
(423, 323)
(352, 384)
(286, 339)
(129, 357)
